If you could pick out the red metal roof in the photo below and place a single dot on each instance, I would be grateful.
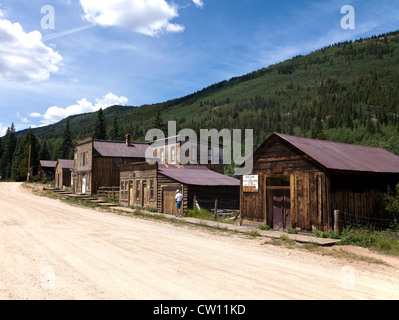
(197, 175)
(66, 164)
(347, 157)
(119, 149)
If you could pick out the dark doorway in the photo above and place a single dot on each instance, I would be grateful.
(279, 202)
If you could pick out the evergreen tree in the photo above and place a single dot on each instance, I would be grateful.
(100, 128)
(19, 167)
(44, 154)
(115, 133)
(20, 162)
(9, 145)
(66, 148)
(157, 122)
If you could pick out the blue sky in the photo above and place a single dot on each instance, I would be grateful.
(135, 52)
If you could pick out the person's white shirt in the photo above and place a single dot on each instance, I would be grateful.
(179, 197)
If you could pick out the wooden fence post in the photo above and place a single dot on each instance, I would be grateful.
(195, 202)
(216, 209)
(337, 216)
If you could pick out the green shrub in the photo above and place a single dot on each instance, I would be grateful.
(264, 227)
(381, 241)
(200, 214)
(44, 181)
(392, 204)
(330, 234)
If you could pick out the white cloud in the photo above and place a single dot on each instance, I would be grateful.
(3, 130)
(55, 114)
(35, 115)
(148, 17)
(23, 56)
(199, 3)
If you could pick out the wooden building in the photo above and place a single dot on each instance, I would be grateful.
(154, 186)
(176, 150)
(299, 182)
(96, 162)
(46, 169)
(63, 173)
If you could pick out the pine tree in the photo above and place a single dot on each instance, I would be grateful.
(66, 148)
(9, 145)
(115, 133)
(157, 122)
(100, 128)
(44, 154)
(20, 162)
(19, 167)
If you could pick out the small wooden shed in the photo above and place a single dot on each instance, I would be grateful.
(63, 173)
(46, 169)
(298, 183)
(155, 186)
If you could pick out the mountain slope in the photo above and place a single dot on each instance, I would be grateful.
(346, 92)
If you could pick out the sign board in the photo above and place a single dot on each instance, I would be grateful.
(250, 183)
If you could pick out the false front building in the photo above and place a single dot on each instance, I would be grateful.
(96, 162)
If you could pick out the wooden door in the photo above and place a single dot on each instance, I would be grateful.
(278, 202)
(168, 199)
(144, 194)
(84, 185)
(281, 209)
(278, 209)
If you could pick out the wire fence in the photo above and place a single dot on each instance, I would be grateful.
(223, 206)
(343, 220)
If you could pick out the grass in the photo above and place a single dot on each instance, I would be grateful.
(380, 241)
(206, 215)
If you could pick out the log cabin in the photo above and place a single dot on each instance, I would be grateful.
(300, 182)
(63, 173)
(96, 162)
(153, 186)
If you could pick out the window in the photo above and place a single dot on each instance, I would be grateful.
(209, 155)
(137, 189)
(124, 190)
(173, 155)
(162, 155)
(152, 190)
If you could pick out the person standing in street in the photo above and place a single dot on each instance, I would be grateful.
(179, 202)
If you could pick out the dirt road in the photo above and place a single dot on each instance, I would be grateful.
(50, 250)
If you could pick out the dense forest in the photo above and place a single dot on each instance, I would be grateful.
(346, 92)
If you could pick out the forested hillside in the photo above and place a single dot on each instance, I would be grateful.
(347, 92)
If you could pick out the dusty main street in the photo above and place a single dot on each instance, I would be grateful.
(51, 250)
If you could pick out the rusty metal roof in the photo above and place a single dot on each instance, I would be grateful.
(66, 164)
(197, 175)
(48, 164)
(347, 157)
(119, 149)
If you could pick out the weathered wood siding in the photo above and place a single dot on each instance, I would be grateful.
(361, 197)
(164, 184)
(141, 176)
(309, 188)
(83, 161)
